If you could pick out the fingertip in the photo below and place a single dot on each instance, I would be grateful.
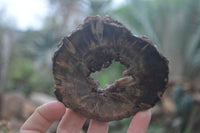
(140, 122)
(149, 113)
(71, 122)
(52, 111)
(98, 127)
(146, 114)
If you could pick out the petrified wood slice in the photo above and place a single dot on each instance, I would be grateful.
(92, 47)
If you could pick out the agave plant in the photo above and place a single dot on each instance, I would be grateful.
(174, 25)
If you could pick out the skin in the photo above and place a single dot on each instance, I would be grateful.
(72, 122)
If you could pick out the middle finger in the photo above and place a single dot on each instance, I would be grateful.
(71, 122)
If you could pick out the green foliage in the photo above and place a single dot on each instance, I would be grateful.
(30, 65)
(4, 127)
(119, 126)
(173, 25)
(109, 75)
(99, 6)
(24, 77)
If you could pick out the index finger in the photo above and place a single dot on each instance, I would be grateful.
(43, 117)
(140, 122)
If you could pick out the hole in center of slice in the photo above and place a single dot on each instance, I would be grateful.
(109, 75)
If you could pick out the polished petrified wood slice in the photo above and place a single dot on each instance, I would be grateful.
(92, 47)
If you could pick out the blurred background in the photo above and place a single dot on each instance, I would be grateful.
(31, 29)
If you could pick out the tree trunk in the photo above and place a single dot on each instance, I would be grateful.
(4, 58)
(5, 45)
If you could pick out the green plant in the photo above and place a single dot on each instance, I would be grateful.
(109, 75)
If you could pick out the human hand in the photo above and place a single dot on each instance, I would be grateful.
(72, 122)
